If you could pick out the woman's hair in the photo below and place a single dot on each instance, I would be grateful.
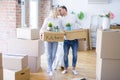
(54, 13)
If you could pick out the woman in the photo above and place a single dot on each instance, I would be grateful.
(51, 47)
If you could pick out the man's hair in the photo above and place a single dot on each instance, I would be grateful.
(63, 7)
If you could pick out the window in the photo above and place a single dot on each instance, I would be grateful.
(97, 1)
(33, 13)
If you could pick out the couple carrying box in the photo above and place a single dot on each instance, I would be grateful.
(59, 17)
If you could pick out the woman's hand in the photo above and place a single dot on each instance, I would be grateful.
(41, 36)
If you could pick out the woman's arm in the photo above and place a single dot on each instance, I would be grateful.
(44, 26)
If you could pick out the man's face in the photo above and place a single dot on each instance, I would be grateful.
(62, 11)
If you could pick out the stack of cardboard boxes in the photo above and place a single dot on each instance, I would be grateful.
(108, 55)
(27, 42)
(15, 67)
(1, 69)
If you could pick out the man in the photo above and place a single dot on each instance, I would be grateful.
(75, 24)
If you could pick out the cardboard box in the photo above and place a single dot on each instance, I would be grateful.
(1, 74)
(30, 47)
(0, 60)
(15, 62)
(114, 27)
(16, 75)
(76, 34)
(53, 36)
(34, 63)
(28, 33)
(82, 45)
(108, 44)
(107, 69)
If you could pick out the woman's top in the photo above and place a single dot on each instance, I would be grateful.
(55, 22)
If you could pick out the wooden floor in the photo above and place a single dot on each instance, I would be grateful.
(86, 67)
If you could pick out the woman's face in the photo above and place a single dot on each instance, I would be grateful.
(58, 12)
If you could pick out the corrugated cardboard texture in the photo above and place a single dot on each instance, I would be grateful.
(17, 75)
(76, 34)
(0, 60)
(1, 74)
(34, 63)
(107, 69)
(15, 62)
(108, 44)
(29, 47)
(53, 36)
(27, 33)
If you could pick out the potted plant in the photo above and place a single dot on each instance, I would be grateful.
(56, 29)
(106, 19)
(68, 26)
(49, 28)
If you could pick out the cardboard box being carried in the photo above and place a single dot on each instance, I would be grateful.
(0, 60)
(16, 75)
(53, 36)
(15, 62)
(108, 44)
(27, 33)
(1, 74)
(76, 34)
(107, 69)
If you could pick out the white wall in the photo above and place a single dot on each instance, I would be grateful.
(92, 9)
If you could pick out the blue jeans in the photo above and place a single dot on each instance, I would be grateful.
(74, 45)
(51, 48)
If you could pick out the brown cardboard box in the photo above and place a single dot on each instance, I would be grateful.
(82, 45)
(108, 44)
(76, 34)
(16, 75)
(114, 27)
(0, 60)
(34, 63)
(53, 36)
(27, 33)
(1, 74)
(107, 69)
(15, 62)
(29, 47)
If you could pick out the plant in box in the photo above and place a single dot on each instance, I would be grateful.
(68, 26)
(49, 28)
(56, 29)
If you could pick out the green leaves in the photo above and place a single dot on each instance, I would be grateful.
(80, 15)
(50, 24)
(68, 25)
